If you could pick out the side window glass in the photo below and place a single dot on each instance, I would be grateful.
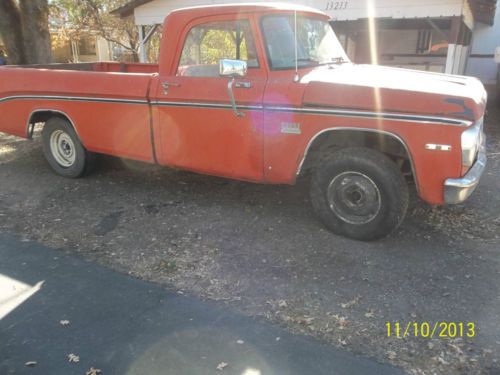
(207, 44)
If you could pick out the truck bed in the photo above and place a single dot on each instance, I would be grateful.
(107, 103)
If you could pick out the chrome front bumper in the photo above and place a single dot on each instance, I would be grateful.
(457, 190)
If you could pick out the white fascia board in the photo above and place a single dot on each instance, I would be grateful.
(358, 9)
(156, 11)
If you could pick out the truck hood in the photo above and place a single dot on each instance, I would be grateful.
(392, 90)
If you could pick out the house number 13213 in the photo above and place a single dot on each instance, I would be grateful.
(336, 5)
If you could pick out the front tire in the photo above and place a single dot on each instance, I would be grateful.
(63, 150)
(359, 193)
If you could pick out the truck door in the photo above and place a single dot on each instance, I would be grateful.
(198, 128)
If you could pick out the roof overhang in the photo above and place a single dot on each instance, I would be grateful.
(484, 10)
(128, 9)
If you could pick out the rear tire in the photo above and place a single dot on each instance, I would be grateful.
(359, 193)
(64, 151)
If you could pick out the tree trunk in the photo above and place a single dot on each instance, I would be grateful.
(35, 21)
(12, 32)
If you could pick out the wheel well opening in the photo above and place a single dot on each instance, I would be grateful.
(334, 140)
(38, 119)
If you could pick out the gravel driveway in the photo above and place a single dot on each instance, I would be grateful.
(259, 250)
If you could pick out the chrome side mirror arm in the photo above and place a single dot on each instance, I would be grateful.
(231, 98)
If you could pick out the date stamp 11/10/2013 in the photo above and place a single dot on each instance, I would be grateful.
(450, 330)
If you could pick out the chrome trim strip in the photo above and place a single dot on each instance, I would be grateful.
(55, 111)
(73, 98)
(367, 114)
(330, 112)
(205, 105)
(307, 110)
(397, 137)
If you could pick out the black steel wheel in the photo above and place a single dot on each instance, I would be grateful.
(359, 193)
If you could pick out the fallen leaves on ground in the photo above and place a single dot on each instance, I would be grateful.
(282, 304)
(221, 366)
(94, 371)
(73, 358)
(351, 303)
(391, 355)
(370, 314)
(306, 320)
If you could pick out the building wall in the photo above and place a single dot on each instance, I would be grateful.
(398, 48)
(104, 50)
(485, 39)
(63, 52)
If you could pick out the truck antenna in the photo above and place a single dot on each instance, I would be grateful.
(296, 78)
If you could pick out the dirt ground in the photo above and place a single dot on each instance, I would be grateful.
(259, 250)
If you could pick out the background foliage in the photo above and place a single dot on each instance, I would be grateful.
(29, 28)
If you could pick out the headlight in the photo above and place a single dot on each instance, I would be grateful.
(471, 141)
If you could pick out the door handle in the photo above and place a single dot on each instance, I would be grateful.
(243, 85)
(167, 85)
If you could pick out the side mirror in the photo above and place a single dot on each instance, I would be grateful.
(232, 68)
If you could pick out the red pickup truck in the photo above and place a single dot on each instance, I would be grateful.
(264, 93)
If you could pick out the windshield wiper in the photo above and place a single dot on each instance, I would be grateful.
(338, 60)
(307, 60)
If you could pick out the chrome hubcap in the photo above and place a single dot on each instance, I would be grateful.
(354, 198)
(62, 148)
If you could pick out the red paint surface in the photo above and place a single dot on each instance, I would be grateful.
(214, 140)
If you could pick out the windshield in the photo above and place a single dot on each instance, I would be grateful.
(317, 43)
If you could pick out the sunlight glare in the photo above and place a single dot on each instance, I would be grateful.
(13, 293)
(251, 371)
(372, 31)
(374, 56)
(6, 150)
